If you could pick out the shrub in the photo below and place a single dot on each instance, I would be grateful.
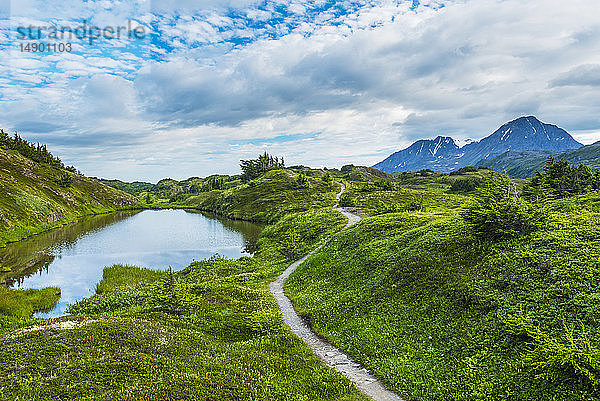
(302, 181)
(465, 185)
(326, 177)
(412, 204)
(497, 211)
(346, 200)
(554, 359)
(64, 180)
(464, 170)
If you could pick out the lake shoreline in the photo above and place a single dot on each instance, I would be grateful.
(44, 228)
(73, 256)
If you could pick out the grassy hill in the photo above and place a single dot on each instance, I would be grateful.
(35, 197)
(413, 292)
(441, 314)
(269, 197)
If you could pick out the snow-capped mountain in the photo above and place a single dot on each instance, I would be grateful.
(443, 154)
(439, 154)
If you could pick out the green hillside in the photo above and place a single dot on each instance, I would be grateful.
(523, 164)
(202, 191)
(269, 197)
(461, 286)
(37, 196)
(441, 313)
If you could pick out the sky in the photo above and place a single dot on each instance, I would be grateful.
(320, 82)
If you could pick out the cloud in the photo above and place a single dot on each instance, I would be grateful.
(319, 82)
(583, 75)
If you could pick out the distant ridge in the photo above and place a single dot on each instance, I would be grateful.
(525, 163)
(443, 154)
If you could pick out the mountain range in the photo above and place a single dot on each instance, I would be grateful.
(525, 134)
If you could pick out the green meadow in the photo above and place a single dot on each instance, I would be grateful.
(460, 286)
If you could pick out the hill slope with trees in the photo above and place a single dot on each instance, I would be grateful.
(460, 286)
(37, 192)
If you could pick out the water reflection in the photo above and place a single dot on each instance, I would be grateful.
(36, 254)
(250, 231)
(73, 257)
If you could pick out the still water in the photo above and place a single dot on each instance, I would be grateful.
(73, 257)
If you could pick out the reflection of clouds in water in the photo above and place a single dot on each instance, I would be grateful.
(153, 239)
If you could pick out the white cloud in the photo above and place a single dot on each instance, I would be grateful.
(363, 84)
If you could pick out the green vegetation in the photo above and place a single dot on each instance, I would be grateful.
(441, 313)
(173, 193)
(169, 191)
(35, 197)
(35, 152)
(382, 197)
(498, 212)
(121, 277)
(460, 286)
(211, 331)
(255, 168)
(133, 188)
(22, 303)
(361, 174)
(268, 198)
(561, 179)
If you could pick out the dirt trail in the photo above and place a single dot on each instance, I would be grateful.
(330, 355)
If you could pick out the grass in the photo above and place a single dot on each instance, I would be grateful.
(268, 198)
(442, 315)
(123, 277)
(211, 332)
(31, 201)
(435, 311)
(372, 201)
(23, 303)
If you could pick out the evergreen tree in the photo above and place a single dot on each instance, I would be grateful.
(561, 179)
(497, 212)
(254, 168)
(36, 152)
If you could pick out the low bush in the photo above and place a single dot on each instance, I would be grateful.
(497, 211)
(557, 359)
(464, 185)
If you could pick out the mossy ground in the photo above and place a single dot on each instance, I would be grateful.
(440, 314)
(210, 332)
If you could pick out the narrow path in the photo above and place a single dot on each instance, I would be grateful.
(330, 355)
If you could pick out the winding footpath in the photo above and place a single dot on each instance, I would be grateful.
(330, 355)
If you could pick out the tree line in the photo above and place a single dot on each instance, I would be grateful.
(498, 211)
(560, 179)
(33, 151)
(254, 168)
